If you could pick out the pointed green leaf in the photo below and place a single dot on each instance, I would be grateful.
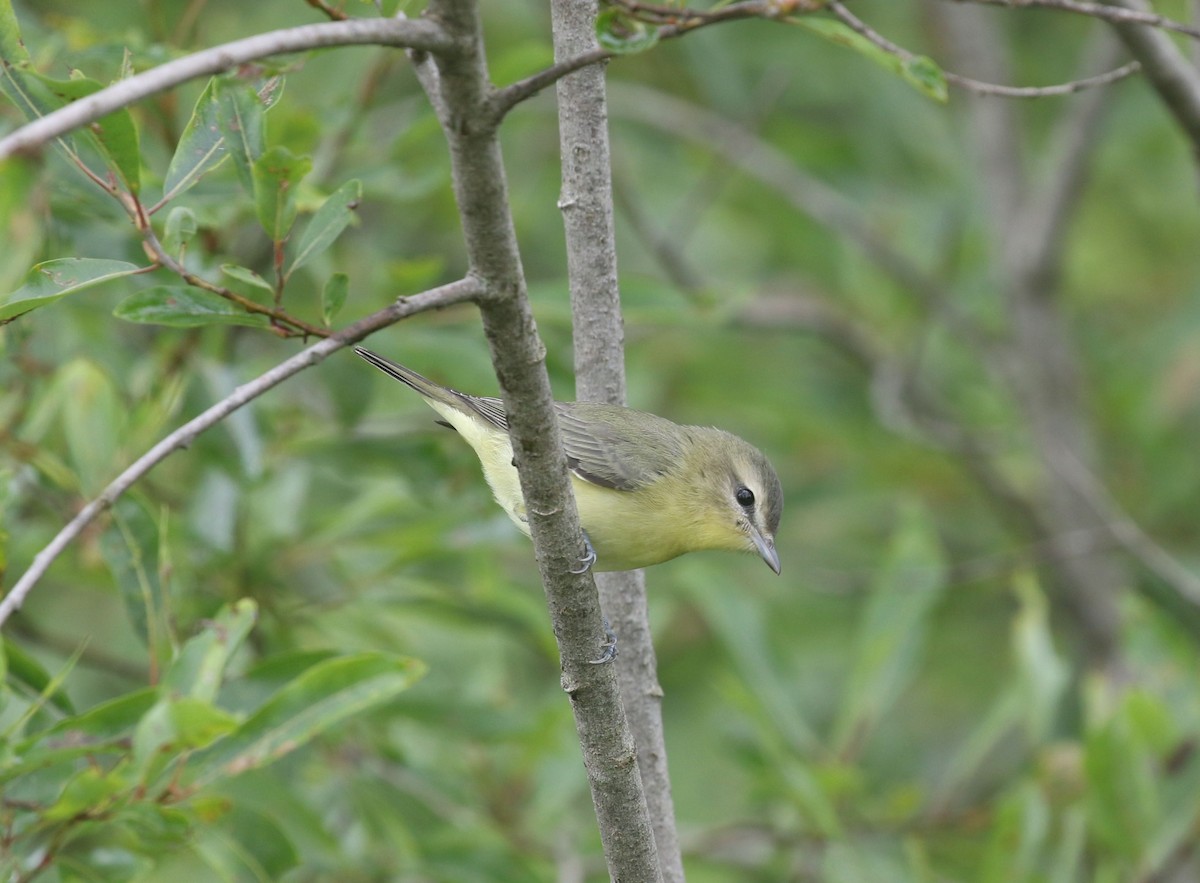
(240, 118)
(200, 666)
(245, 274)
(26, 670)
(181, 307)
(276, 174)
(201, 147)
(327, 223)
(16, 81)
(918, 71)
(333, 296)
(91, 791)
(52, 280)
(893, 627)
(92, 422)
(130, 548)
(313, 703)
(115, 135)
(262, 841)
(181, 227)
(621, 33)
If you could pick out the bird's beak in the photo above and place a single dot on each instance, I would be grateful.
(766, 548)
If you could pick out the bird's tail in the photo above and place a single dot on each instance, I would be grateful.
(434, 392)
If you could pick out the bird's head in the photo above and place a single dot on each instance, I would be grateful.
(743, 496)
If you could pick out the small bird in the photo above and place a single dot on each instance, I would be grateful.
(648, 490)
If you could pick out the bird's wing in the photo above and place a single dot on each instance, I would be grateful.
(490, 409)
(606, 445)
(616, 447)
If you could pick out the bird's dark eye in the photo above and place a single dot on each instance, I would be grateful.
(745, 497)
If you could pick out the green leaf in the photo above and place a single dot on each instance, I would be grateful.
(51, 280)
(1044, 675)
(182, 307)
(131, 550)
(893, 627)
(918, 71)
(107, 721)
(333, 296)
(1019, 833)
(261, 841)
(241, 119)
(200, 666)
(26, 670)
(115, 135)
(91, 791)
(742, 626)
(621, 33)
(102, 728)
(92, 421)
(313, 703)
(276, 174)
(248, 276)
(327, 223)
(201, 147)
(181, 227)
(16, 81)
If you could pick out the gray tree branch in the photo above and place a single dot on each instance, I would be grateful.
(423, 34)
(1171, 74)
(518, 357)
(598, 329)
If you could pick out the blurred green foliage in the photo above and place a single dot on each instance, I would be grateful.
(311, 648)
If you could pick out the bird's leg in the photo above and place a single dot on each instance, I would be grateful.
(589, 556)
(608, 650)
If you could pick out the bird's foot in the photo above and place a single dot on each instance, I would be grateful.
(589, 556)
(608, 650)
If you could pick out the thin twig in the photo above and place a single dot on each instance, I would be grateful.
(979, 87)
(423, 34)
(277, 314)
(1117, 15)
(464, 289)
(681, 22)
(334, 14)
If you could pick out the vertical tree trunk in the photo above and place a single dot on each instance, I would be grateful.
(587, 206)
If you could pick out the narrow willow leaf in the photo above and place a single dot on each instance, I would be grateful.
(26, 670)
(276, 175)
(22, 89)
(199, 668)
(130, 548)
(92, 421)
(623, 34)
(327, 223)
(114, 135)
(201, 147)
(51, 280)
(91, 791)
(181, 227)
(918, 71)
(313, 703)
(892, 630)
(240, 118)
(333, 296)
(245, 274)
(181, 307)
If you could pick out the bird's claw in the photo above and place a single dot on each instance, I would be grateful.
(608, 650)
(588, 559)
